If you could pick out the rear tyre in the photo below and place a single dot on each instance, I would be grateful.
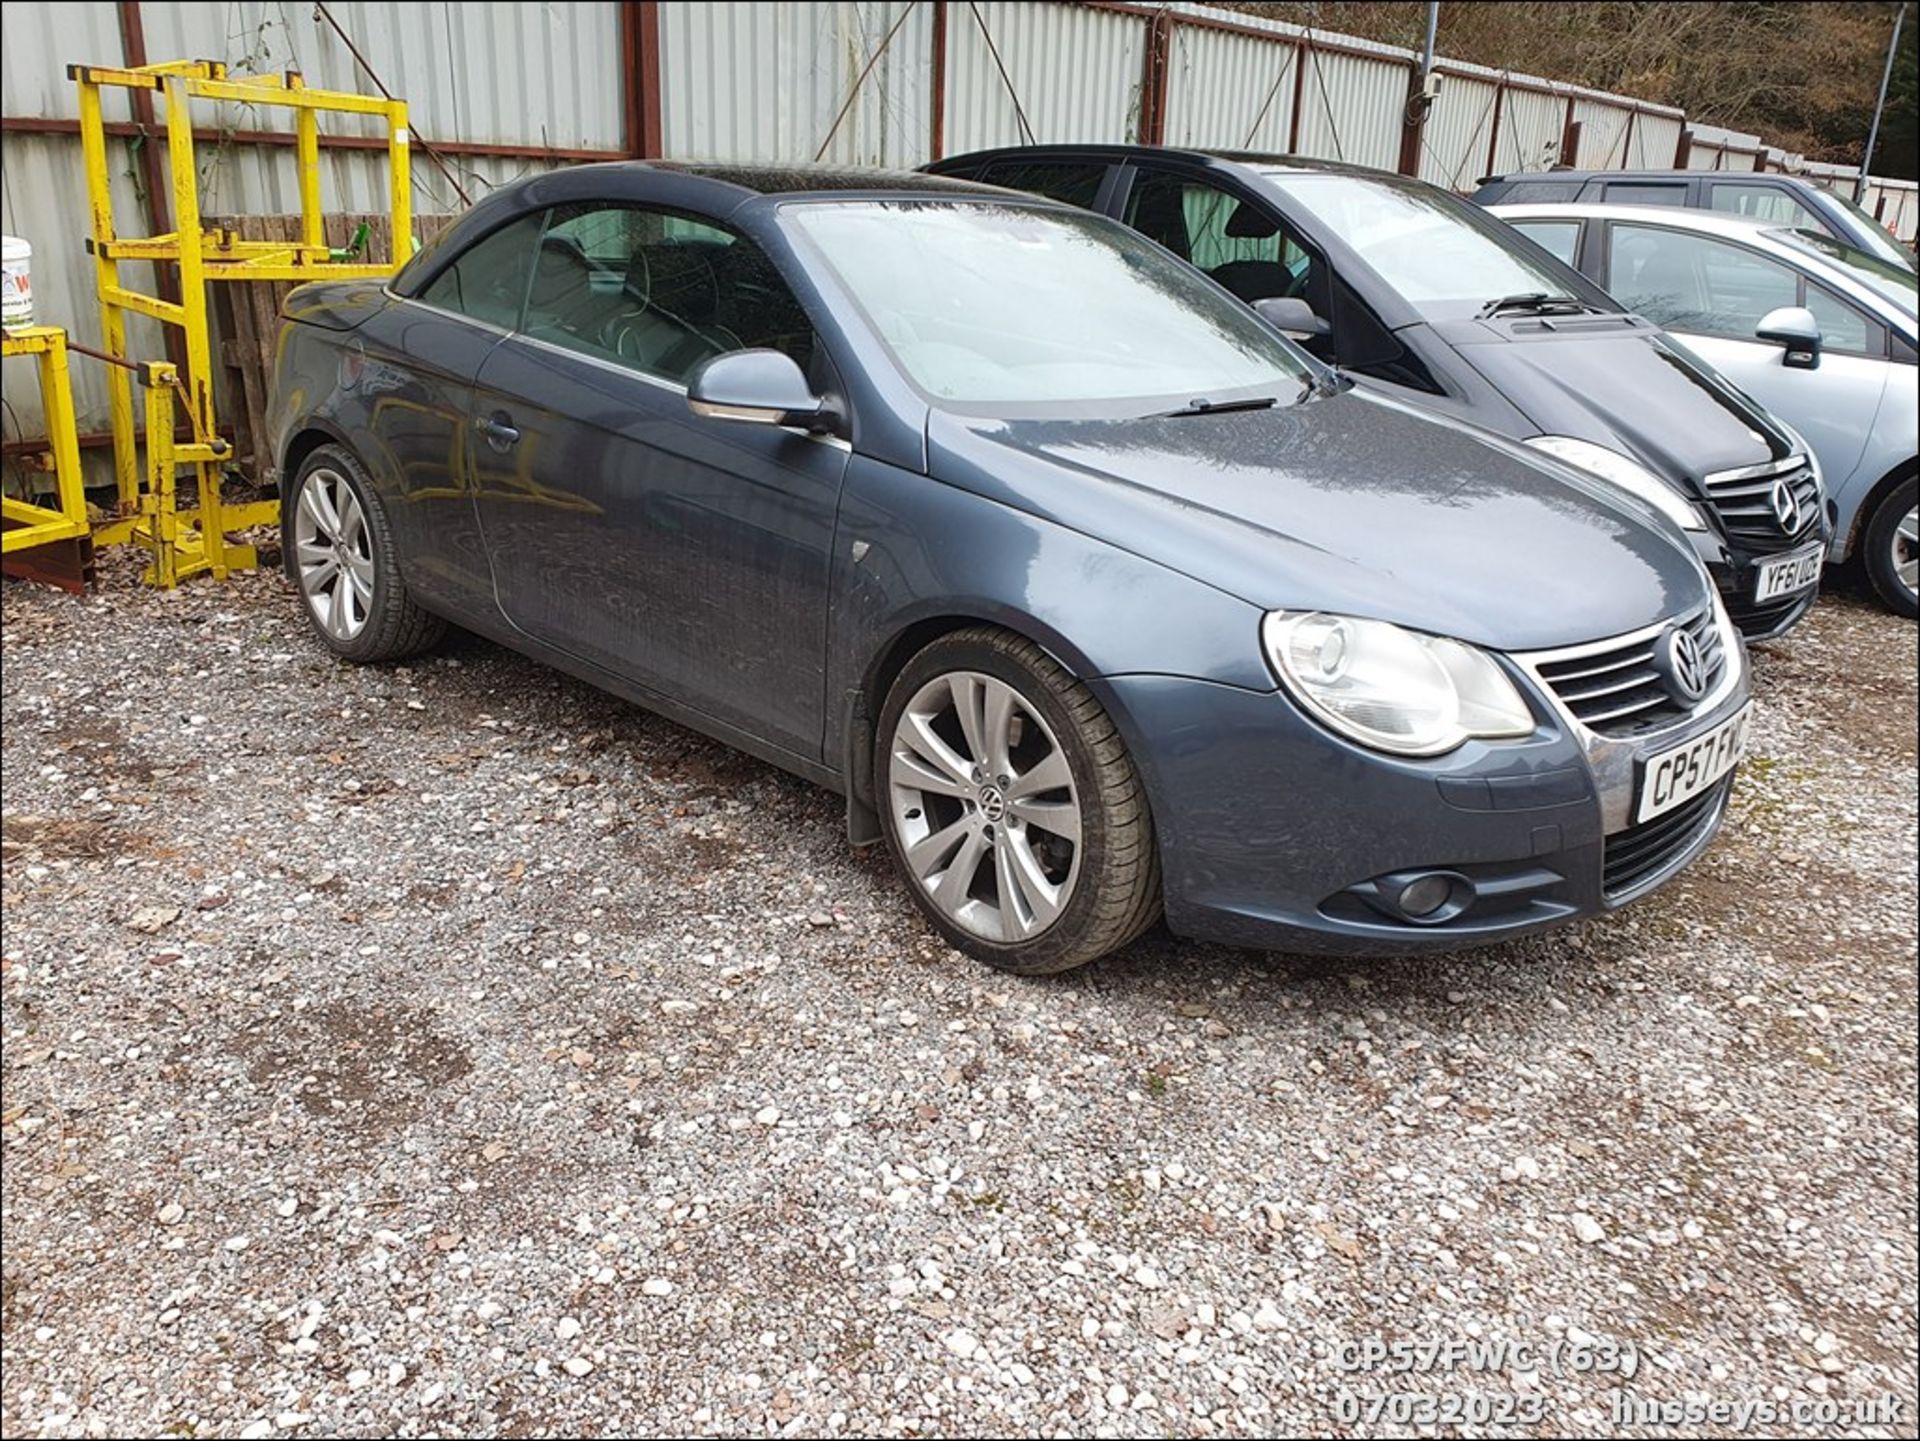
(341, 554)
(1012, 807)
(1891, 549)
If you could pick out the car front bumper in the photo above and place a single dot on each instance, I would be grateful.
(1273, 830)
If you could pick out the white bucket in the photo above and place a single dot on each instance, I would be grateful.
(16, 310)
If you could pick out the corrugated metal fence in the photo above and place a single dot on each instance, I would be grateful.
(504, 89)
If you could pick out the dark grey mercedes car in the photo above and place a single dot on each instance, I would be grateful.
(1092, 593)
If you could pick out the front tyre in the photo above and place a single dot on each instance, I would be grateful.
(1012, 807)
(1892, 549)
(341, 554)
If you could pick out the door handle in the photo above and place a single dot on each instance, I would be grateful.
(498, 430)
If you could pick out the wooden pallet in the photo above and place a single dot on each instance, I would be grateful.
(246, 316)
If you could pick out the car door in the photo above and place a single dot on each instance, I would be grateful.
(687, 555)
(1236, 236)
(418, 358)
(1713, 293)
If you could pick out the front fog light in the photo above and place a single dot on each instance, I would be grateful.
(1424, 896)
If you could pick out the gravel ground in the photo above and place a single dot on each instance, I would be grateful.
(452, 1048)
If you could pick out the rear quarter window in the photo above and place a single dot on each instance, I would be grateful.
(1526, 192)
(1069, 182)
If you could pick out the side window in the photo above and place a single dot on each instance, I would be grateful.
(1529, 192)
(658, 291)
(1764, 202)
(1559, 238)
(1643, 192)
(489, 280)
(1691, 282)
(1841, 326)
(1235, 241)
(1062, 180)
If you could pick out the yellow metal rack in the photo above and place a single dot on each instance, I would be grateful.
(67, 520)
(184, 543)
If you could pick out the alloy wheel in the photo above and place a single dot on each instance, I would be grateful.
(1906, 550)
(984, 806)
(333, 549)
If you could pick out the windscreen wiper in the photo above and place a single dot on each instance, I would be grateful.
(1200, 405)
(1537, 302)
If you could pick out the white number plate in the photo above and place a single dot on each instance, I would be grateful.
(1676, 776)
(1785, 574)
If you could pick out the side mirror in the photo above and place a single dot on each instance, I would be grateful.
(1292, 316)
(760, 387)
(1794, 327)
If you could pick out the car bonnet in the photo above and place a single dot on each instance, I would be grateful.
(1351, 503)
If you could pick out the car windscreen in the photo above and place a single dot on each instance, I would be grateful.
(1886, 244)
(1014, 310)
(1425, 243)
(1897, 283)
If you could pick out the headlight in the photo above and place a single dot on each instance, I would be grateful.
(1629, 475)
(1392, 689)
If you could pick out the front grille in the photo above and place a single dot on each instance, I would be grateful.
(1744, 503)
(1615, 689)
(1640, 853)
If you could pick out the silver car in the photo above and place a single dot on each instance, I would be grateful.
(1821, 334)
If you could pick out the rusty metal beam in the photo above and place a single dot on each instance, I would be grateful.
(88, 440)
(1493, 140)
(40, 125)
(640, 77)
(1300, 50)
(1413, 123)
(1153, 78)
(64, 564)
(937, 138)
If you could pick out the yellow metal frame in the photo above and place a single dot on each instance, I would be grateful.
(39, 524)
(184, 544)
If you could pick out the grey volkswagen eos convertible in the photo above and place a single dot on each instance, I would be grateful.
(1094, 595)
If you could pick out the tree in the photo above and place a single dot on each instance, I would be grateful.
(1802, 74)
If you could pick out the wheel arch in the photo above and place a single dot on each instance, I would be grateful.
(901, 644)
(302, 443)
(1905, 471)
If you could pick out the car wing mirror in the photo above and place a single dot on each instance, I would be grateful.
(759, 387)
(1292, 316)
(1793, 327)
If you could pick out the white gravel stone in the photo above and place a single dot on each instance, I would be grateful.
(489, 1129)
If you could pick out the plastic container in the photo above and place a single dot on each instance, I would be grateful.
(17, 291)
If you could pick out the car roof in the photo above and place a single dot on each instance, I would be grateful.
(1768, 177)
(820, 179)
(1197, 159)
(1717, 222)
